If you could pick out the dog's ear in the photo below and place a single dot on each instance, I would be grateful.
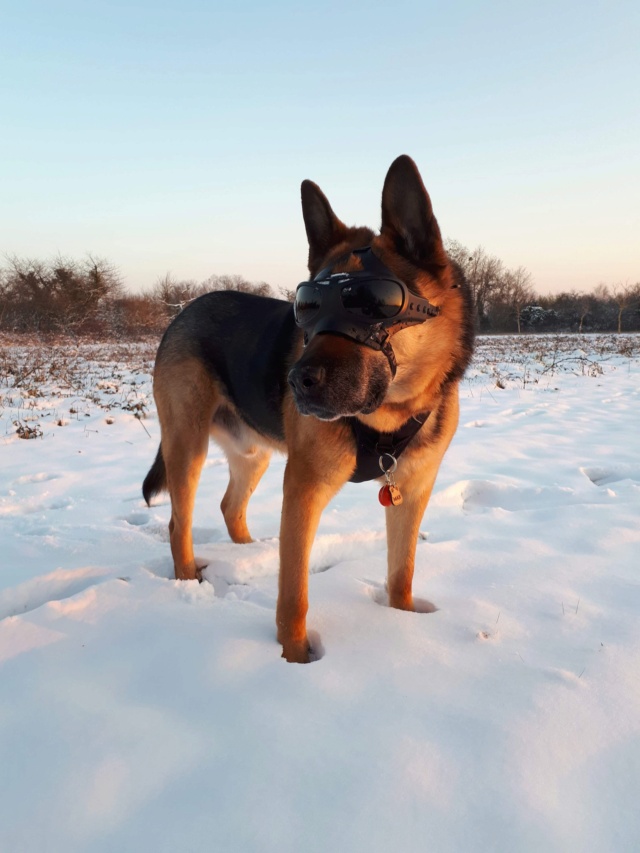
(407, 215)
(324, 229)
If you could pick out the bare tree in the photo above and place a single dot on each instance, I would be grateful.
(239, 283)
(175, 294)
(102, 279)
(518, 291)
(510, 294)
(625, 296)
(60, 294)
(483, 273)
(583, 307)
(287, 294)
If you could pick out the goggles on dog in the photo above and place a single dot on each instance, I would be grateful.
(367, 306)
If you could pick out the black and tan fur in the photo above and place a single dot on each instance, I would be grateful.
(232, 367)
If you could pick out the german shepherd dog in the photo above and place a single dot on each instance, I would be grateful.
(364, 366)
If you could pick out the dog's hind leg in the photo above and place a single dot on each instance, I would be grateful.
(187, 399)
(245, 471)
(248, 454)
(184, 460)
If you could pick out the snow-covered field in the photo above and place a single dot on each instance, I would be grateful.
(140, 714)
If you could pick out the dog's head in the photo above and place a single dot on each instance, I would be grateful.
(337, 376)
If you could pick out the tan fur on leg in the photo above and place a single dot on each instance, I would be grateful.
(320, 462)
(416, 477)
(245, 472)
(185, 410)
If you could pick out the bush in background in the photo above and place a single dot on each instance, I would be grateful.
(87, 298)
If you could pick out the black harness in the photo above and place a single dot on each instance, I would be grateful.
(371, 445)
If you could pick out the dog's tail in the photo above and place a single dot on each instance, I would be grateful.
(156, 480)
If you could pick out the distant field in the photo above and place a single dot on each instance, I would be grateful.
(46, 384)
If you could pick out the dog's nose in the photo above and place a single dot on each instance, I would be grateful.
(305, 377)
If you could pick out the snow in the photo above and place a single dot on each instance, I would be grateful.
(142, 714)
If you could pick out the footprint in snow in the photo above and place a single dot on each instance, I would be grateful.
(614, 474)
(56, 586)
(479, 495)
(230, 591)
(159, 530)
(317, 651)
(35, 478)
(137, 519)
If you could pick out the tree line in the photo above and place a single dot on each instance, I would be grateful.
(506, 300)
(88, 297)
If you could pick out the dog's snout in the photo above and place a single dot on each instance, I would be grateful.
(304, 377)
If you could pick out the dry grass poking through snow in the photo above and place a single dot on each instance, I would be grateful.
(44, 384)
(521, 360)
(63, 379)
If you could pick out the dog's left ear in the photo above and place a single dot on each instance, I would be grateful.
(407, 215)
(324, 229)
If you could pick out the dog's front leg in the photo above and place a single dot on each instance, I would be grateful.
(304, 500)
(416, 477)
(302, 507)
(403, 527)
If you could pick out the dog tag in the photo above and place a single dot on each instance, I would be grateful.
(390, 495)
(384, 496)
(395, 494)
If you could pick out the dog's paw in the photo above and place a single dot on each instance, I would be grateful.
(192, 572)
(297, 652)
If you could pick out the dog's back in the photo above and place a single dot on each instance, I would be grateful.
(245, 342)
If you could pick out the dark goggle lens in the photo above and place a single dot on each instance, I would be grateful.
(307, 304)
(375, 300)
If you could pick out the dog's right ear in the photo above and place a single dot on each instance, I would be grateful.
(407, 216)
(324, 229)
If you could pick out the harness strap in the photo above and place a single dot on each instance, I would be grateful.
(371, 445)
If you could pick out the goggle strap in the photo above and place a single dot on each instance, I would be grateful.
(379, 339)
(387, 349)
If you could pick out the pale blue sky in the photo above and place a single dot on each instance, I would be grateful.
(174, 136)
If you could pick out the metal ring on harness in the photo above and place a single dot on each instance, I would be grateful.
(391, 468)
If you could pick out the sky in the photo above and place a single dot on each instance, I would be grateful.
(173, 137)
